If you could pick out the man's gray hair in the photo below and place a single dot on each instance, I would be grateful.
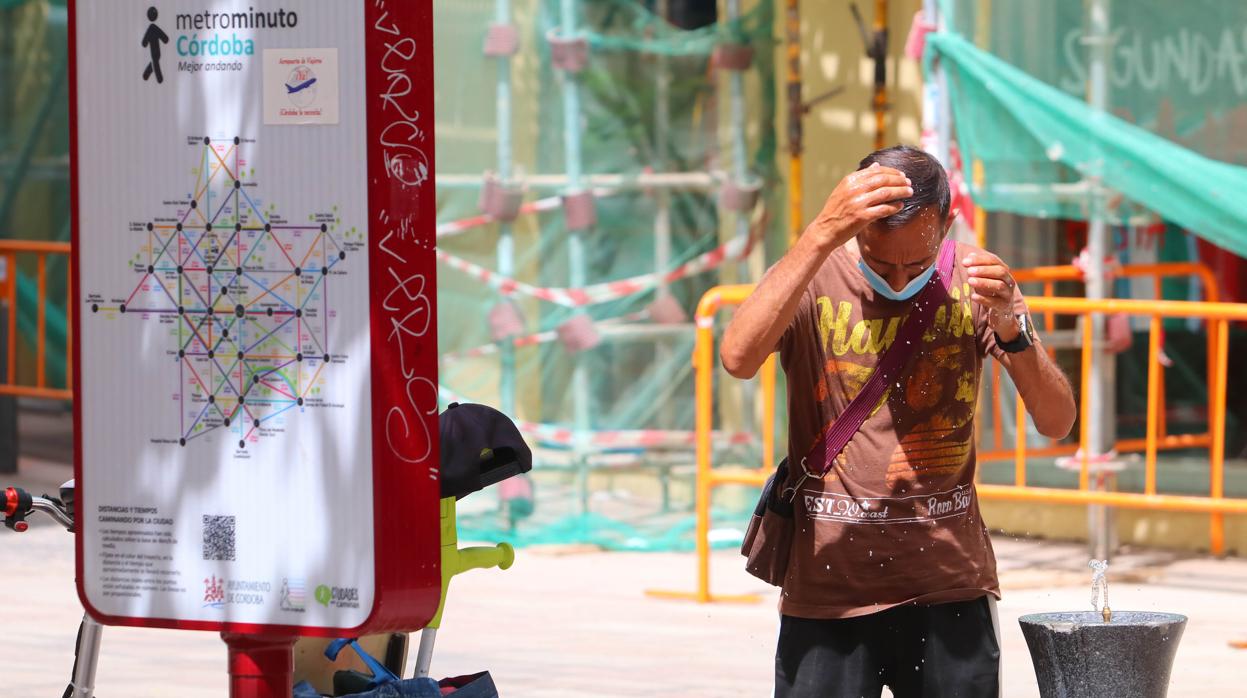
(926, 174)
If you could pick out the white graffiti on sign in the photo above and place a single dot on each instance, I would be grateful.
(405, 160)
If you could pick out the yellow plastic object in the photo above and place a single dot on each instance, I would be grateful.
(456, 560)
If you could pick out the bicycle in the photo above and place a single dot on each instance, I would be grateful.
(461, 475)
(20, 505)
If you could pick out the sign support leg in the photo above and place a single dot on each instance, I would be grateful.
(260, 666)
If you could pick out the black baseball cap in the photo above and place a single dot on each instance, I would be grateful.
(480, 447)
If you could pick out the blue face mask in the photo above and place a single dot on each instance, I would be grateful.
(882, 288)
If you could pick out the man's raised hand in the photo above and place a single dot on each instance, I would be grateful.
(860, 199)
(993, 286)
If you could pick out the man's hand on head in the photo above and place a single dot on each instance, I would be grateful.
(992, 285)
(860, 199)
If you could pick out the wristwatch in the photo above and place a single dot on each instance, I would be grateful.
(1025, 339)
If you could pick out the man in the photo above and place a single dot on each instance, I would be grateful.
(891, 579)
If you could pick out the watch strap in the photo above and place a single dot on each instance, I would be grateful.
(1024, 340)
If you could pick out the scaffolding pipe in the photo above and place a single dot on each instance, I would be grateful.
(662, 126)
(740, 172)
(796, 112)
(506, 241)
(740, 154)
(662, 221)
(880, 97)
(942, 108)
(1100, 431)
(692, 181)
(573, 158)
(571, 106)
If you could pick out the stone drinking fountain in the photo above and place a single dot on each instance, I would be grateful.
(1102, 653)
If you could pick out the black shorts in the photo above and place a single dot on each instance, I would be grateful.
(932, 651)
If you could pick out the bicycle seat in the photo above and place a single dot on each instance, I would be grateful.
(480, 446)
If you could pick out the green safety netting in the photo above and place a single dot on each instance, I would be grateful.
(34, 165)
(623, 479)
(1168, 148)
(1174, 68)
(632, 26)
(611, 425)
(1177, 99)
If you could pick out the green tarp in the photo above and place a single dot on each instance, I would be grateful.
(1028, 132)
(1177, 69)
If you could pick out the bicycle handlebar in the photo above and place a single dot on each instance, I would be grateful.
(18, 504)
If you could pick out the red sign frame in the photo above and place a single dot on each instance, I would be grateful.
(398, 40)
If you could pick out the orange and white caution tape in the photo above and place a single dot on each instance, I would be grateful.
(536, 338)
(450, 228)
(550, 203)
(735, 249)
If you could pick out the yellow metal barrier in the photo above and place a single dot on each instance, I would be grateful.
(1217, 314)
(10, 250)
(704, 363)
(1165, 441)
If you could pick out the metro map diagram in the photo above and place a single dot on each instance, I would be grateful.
(241, 292)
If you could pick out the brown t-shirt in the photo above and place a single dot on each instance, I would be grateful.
(897, 518)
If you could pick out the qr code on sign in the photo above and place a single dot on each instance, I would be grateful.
(218, 538)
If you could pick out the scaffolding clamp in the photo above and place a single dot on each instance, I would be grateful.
(732, 56)
(502, 41)
(500, 200)
(739, 196)
(580, 210)
(579, 334)
(505, 320)
(666, 310)
(568, 54)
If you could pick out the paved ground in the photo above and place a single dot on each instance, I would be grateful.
(562, 624)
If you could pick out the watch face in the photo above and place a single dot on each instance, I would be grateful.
(1028, 329)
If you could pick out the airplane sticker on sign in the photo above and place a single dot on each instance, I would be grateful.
(301, 86)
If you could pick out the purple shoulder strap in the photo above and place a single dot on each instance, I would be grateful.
(890, 364)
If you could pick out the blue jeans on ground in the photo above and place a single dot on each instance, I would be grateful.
(408, 688)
